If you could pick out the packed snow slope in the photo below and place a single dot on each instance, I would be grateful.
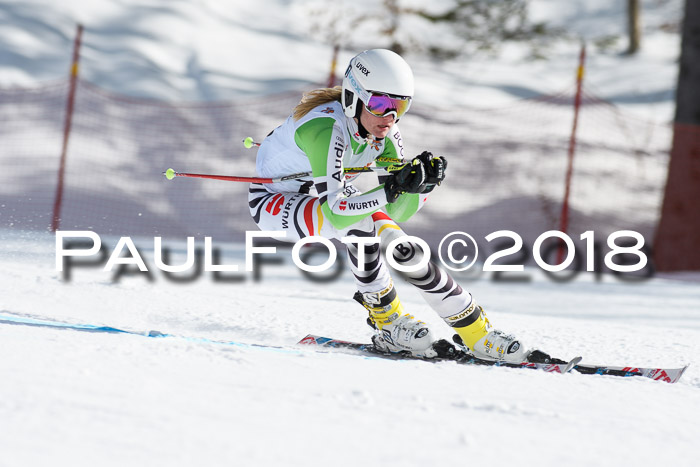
(79, 398)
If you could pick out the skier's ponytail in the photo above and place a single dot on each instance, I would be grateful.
(315, 98)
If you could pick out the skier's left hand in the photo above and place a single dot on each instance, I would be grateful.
(435, 168)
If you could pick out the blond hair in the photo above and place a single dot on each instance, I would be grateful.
(315, 98)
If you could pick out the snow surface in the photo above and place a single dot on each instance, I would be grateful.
(78, 398)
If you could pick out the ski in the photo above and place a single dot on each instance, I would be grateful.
(454, 356)
(668, 375)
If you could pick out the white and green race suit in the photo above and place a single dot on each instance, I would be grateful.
(324, 142)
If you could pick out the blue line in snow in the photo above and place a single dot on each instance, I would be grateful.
(6, 318)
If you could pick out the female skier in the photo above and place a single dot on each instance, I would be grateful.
(355, 126)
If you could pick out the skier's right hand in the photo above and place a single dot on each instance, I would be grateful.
(435, 168)
(410, 179)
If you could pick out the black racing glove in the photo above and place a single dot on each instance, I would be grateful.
(410, 179)
(435, 168)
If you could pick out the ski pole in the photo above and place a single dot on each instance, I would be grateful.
(170, 174)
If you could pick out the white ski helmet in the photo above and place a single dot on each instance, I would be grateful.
(377, 70)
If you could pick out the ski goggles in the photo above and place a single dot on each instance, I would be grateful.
(383, 104)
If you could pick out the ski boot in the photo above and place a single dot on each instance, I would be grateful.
(396, 331)
(476, 335)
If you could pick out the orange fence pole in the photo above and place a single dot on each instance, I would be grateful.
(334, 63)
(58, 200)
(564, 220)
